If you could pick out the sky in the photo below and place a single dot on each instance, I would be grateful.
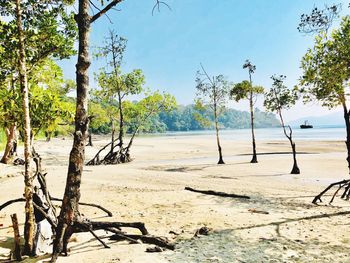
(221, 34)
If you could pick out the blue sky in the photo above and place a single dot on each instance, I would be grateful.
(220, 34)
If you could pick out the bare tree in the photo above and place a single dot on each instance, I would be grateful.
(213, 91)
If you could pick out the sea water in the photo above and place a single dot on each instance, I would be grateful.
(331, 133)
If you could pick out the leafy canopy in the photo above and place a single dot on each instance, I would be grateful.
(326, 70)
(279, 96)
(243, 90)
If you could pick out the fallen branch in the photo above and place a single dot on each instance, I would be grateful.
(158, 241)
(222, 194)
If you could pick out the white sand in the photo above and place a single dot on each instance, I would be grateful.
(151, 189)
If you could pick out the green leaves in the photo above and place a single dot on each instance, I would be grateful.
(326, 70)
(243, 90)
(279, 96)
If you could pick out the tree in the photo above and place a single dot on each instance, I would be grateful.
(10, 112)
(69, 214)
(319, 20)
(246, 90)
(213, 91)
(33, 33)
(279, 98)
(326, 75)
(48, 32)
(137, 117)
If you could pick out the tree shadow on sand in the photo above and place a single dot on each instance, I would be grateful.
(266, 244)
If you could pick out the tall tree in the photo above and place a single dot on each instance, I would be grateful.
(112, 83)
(246, 90)
(117, 86)
(33, 32)
(48, 32)
(28, 178)
(213, 92)
(279, 98)
(70, 205)
(325, 78)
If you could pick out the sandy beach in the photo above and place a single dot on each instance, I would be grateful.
(150, 189)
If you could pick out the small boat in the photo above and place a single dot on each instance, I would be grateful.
(306, 125)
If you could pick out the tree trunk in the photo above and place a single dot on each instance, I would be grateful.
(254, 159)
(70, 204)
(221, 160)
(28, 180)
(90, 140)
(121, 121)
(295, 169)
(347, 124)
(112, 142)
(11, 145)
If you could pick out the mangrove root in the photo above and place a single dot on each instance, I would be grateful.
(344, 184)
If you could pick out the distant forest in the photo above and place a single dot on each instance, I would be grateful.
(184, 118)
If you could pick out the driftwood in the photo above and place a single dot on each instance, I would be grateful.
(149, 239)
(344, 184)
(17, 252)
(222, 194)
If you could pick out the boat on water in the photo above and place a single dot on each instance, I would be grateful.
(306, 125)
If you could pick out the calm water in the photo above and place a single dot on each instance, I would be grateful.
(316, 133)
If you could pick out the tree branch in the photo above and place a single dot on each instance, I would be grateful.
(104, 10)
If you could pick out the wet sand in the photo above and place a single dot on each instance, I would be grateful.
(151, 189)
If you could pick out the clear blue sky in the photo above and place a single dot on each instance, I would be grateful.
(221, 34)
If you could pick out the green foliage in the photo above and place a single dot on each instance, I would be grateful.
(201, 115)
(48, 107)
(243, 89)
(142, 115)
(125, 84)
(212, 91)
(326, 70)
(279, 97)
(49, 32)
(188, 118)
(100, 118)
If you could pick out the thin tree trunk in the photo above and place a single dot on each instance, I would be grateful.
(221, 160)
(112, 141)
(121, 121)
(28, 180)
(70, 204)
(10, 149)
(90, 139)
(347, 124)
(17, 238)
(254, 159)
(295, 169)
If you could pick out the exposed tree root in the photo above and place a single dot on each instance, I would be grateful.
(222, 194)
(344, 184)
(112, 157)
(44, 208)
(109, 213)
